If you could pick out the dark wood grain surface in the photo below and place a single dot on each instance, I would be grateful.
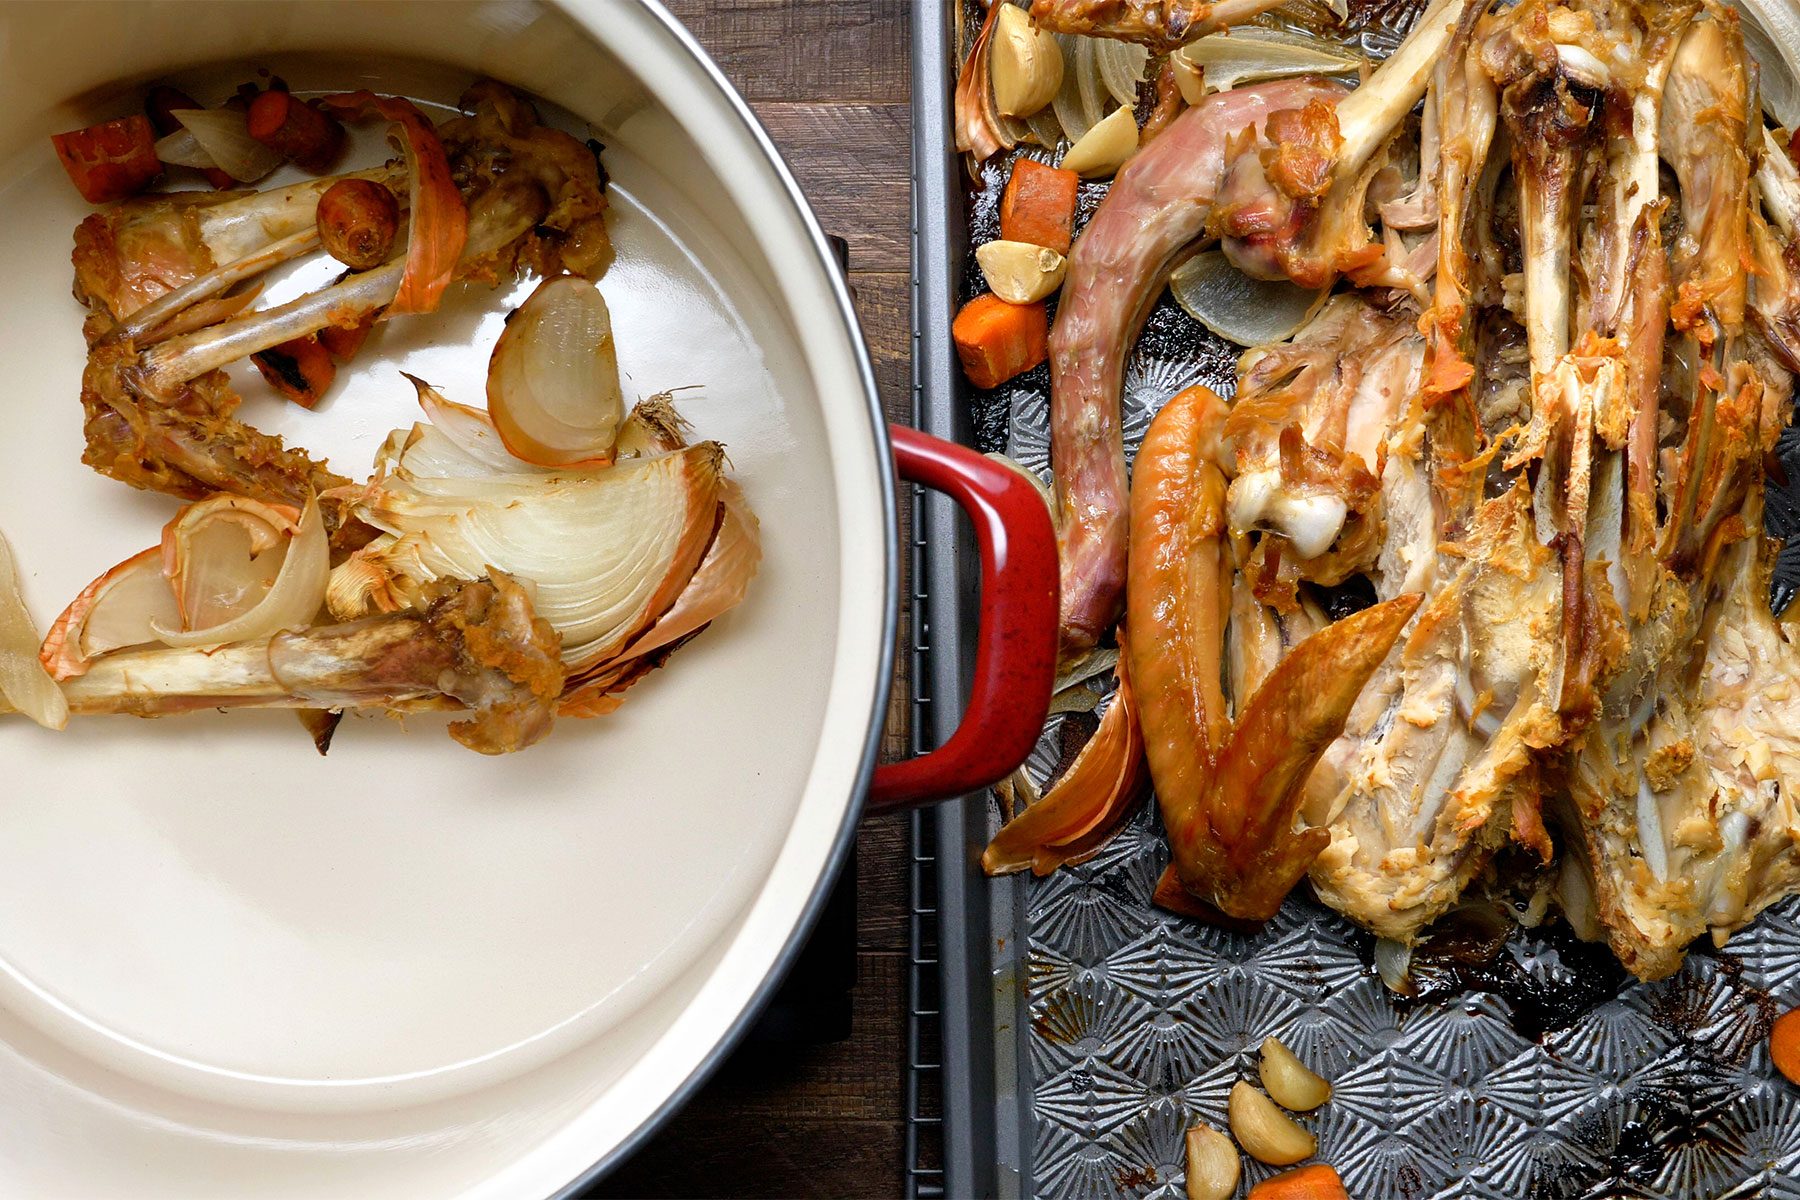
(830, 81)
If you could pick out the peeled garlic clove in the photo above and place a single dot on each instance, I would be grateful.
(1189, 78)
(1026, 63)
(1213, 1165)
(1020, 272)
(1103, 149)
(1264, 1131)
(1288, 1080)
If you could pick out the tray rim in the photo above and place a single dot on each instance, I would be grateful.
(985, 1089)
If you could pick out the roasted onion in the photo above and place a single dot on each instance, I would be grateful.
(1250, 312)
(223, 135)
(24, 685)
(553, 380)
(217, 555)
(119, 609)
(609, 551)
(1251, 54)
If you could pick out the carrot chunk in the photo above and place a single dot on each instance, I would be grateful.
(111, 160)
(1784, 1044)
(300, 131)
(997, 340)
(1039, 206)
(1317, 1182)
(301, 369)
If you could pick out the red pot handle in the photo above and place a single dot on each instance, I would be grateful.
(1015, 653)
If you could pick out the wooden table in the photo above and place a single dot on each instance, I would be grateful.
(831, 81)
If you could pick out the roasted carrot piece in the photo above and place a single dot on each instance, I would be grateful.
(291, 127)
(997, 340)
(1317, 1182)
(111, 160)
(343, 342)
(1784, 1044)
(301, 369)
(1039, 206)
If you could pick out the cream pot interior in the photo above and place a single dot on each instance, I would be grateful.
(231, 967)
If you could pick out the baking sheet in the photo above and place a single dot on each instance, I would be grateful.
(1085, 1030)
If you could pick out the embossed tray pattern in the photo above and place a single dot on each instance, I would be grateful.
(1139, 1022)
(1120, 1025)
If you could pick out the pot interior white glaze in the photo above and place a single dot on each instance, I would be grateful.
(231, 967)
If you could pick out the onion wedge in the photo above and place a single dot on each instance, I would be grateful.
(119, 609)
(24, 684)
(609, 551)
(980, 128)
(1240, 309)
(223, 138)
(719, 585)
(553, 380)
(1077, 816)
(216, 556)
(218, 587)
(470, 431)
(720, 582)
(439, 218)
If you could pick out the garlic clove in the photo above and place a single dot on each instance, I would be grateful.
(1026, 63)
(1103, 149)
(1213, 1165)
(1264, 1131)
(1021, 272)
(1289, 1081)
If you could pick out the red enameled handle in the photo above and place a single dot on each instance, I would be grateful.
(1015, 654)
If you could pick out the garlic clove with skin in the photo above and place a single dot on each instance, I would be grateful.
(1289, 1082)
(1021, 272)
(1213, 1166)
(1105, 148)
(1025, 62)
(1265, 1132)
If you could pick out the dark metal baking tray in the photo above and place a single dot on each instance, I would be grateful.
(1082, 1030)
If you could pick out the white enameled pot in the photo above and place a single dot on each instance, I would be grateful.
(230, 967)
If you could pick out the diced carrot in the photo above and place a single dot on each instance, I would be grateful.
(300, 131)
(111, 160)
(1317, 1182)
(997, 340)
(1784, 1044)
(301, 369)
(1039, 206)
(345, 341)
